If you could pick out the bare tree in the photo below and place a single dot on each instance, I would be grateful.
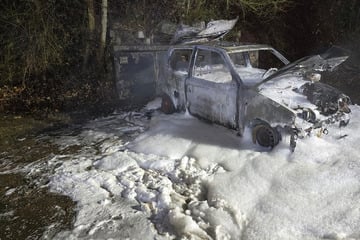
(91, 31)
(264, 8)
(104, 20)
(94, 28)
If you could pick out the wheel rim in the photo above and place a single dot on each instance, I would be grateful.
(266, 136)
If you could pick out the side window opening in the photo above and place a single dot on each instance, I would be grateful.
(180, 59)
(238, 59)
(211, 66)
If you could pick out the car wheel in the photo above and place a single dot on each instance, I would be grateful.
(265, 135)
(167, 105)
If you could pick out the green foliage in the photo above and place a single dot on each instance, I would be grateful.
(267, 9)
(45, 43)
(144, 15)
(201, 10)
(207, 9)
(348, 16)
(35, 37)
(329, 22)
(348, 24)
(41, 50)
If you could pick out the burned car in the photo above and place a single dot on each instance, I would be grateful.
(254, 86)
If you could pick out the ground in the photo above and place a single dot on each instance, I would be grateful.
(147, 175)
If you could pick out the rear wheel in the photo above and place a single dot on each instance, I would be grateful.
(265, 135)
(167, 105)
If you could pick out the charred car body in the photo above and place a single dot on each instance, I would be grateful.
(254, 86)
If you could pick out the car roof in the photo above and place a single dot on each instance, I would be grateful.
(227, 46)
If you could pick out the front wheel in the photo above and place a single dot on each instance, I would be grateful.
(265, 135)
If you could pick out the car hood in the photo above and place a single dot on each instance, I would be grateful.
(313, 65)
(297, 85)
(297, 93)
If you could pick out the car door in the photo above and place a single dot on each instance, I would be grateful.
(177, 71)
(211, 92)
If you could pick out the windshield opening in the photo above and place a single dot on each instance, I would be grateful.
(256, 65)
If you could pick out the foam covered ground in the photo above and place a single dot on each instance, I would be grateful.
(176, 177)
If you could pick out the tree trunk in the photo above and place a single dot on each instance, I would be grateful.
(91, 32)
(104, 20)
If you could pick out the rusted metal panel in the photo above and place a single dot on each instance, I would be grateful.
(137, 73)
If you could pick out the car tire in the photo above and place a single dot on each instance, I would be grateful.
(265, 135)
(167, 105)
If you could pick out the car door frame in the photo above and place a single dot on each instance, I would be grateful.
(232, 120)
(175, 83)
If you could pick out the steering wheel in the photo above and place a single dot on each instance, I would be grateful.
(269, 72)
